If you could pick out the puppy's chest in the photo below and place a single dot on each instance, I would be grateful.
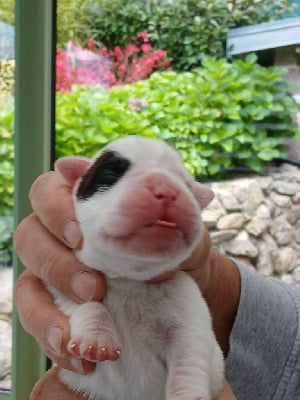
(141, 313)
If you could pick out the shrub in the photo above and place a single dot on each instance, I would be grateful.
(217, 116)
(72, 22)
(7, 11)
(187, 29)
(6, 174)
(6, 157)
(100, 66)
(7, 81)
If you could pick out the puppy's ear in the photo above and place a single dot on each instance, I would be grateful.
(72, 168)
(203, 194)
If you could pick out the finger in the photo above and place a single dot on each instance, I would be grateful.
(31, 297)
(51, 199)
(50, 387)
(226, 393)
(50, 327)
(54, 263)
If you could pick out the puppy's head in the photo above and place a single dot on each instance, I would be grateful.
(138, 207)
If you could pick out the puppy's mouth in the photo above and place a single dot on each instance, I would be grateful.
(162, 226)
(164, 223)
(155, 228)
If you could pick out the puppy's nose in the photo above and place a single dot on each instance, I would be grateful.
(164, 194)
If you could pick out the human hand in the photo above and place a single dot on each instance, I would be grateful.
(49, 387)
(45, 241)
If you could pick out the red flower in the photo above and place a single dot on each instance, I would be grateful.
(100, 66)
(146, 48)
(92, 44)
(144, 36)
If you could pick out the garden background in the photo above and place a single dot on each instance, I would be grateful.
(158, 69)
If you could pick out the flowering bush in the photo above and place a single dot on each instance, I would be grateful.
(100, 66)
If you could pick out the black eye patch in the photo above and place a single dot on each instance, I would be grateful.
(109, 167)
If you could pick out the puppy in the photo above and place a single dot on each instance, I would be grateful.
(140, 215)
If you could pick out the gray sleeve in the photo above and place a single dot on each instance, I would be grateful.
(264, 358)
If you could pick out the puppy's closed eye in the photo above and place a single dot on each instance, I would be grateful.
(103, 174)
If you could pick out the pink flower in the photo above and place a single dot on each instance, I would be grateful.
(118, 53)
(91, 44)
(105, 52)
(131, 49)
(144, 36)
(146, 48)
(122, 68)
(101, 66)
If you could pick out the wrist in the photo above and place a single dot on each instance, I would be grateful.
(222, 295)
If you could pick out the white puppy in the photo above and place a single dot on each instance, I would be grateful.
(140, 215)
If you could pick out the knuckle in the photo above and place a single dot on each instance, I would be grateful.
(39, 184)
(24, 309)
(47, 259)
(18, 289)
(21, 232)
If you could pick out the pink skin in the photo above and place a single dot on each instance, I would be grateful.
(93, 352)
(153, 210)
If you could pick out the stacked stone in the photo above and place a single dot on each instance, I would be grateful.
(257, 220)
(6, 280)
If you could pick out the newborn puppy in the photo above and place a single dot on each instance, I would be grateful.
(140, 215)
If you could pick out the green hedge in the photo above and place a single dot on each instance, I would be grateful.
(6, 176)
(218, 116)
(187, 29)
(6, 156)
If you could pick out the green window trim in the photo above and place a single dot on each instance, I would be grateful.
(33, 155)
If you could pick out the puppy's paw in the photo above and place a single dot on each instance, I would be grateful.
(95, 348)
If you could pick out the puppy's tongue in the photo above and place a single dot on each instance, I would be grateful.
(167, 224)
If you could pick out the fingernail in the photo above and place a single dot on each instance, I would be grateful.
(84, 285)
(72, 234)
(55, 337)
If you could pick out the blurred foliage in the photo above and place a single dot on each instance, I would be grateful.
(73, 22)
(6, 174)
(7, 79)
(7, 11)
(187, 29)
(6, 156)
(218, 116)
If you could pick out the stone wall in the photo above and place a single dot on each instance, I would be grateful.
(6, 279)
(257, 220)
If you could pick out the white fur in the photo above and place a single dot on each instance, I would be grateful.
(163, 331)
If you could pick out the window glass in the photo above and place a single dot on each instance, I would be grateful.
(7, 65)
(182, 71)
(166, 69)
